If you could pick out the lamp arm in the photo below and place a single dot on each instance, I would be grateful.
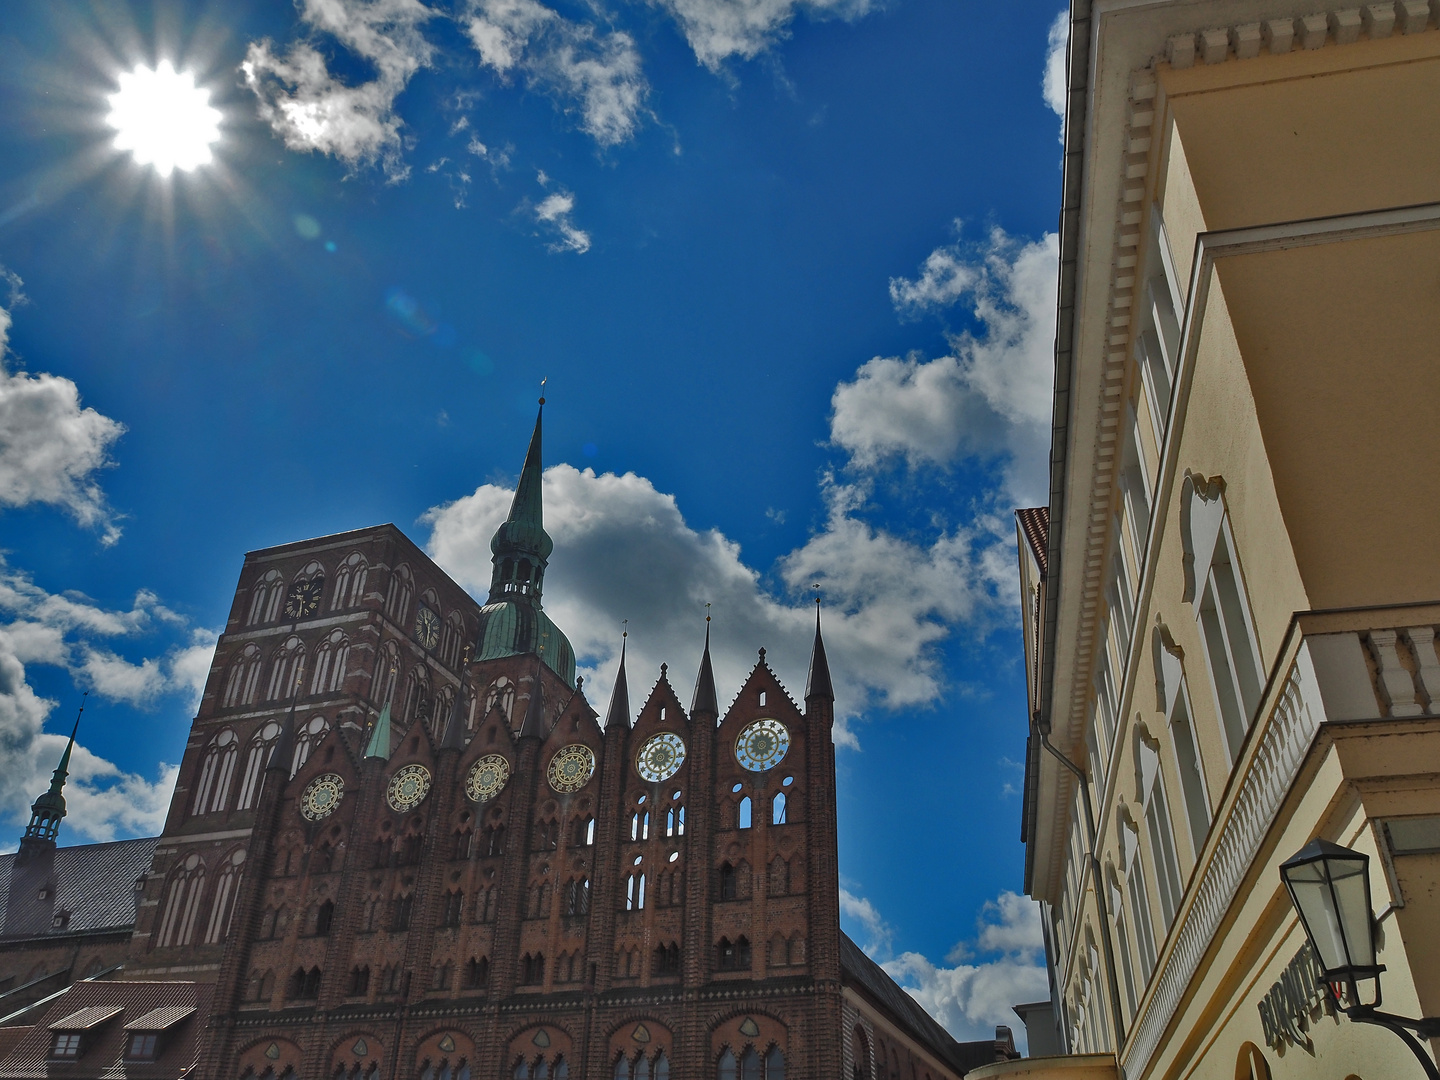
(1430, 1027)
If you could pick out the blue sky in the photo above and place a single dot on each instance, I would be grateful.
(788, 267)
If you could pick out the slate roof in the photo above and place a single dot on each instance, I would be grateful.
(104, 1054)
(94, 882)
(1035, 523)
(858, 969)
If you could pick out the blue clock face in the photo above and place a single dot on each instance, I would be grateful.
(661, 757)
(762, 745)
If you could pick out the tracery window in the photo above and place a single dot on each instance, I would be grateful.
(642, 1066)
(217, 769)
(287, 669)
(454, 904)
(304, 985)
(667, 960)
(182, 903)
(222, 907)
(477, 973)
(306, 739)
(399, 594)
(243, 679)
(583, 833)
(635, 890)
(330, 660)
(777, 809)
(359, 981)
(751, 1066)
(542, 1069)
(417, 695)
(734, 955)
(577, 897)
(349, 582)
(265, 599)
(386, 675)
(501, 695)
(532, 969)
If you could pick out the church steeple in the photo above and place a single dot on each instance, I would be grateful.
(48, 810)
(705, 700)
(521, 546)
(619, 711)
(817, 683)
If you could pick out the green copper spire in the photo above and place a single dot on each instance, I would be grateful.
(380, 738)
(521, 545)
(48, 810)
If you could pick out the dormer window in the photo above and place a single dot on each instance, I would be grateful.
(44, 893)
(66, 1045)
(143, 1045)
(61, 920)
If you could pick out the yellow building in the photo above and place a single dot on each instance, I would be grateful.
(1232, 601)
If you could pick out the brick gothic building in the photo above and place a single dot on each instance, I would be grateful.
(403, 844)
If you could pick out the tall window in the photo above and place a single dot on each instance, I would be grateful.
(398, 596)
(417, 695)
(501, 695)
(577, 897)
(243, 678)
(1139, 900)
(306, 739)
(349, 583)
(286, 671)
(745, 812)
(635, 889)
(265, 599)
(777, 809)
(752, 1066)
(1158, 825)
(1157, 345)
(734, 955)
(1135, 484)
(217, 769)
(257, 755)
(330, 661)
(222, 907)
(1122, 936)
(1213, 584)
(182, 903)
(1174, 702)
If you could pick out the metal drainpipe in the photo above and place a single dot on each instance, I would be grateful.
(1117, 1019)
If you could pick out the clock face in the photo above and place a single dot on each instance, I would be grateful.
(408, 788)
(571, 768)
(427, 628)
(303, 600)
(762, 745)
(487, 778)
(661, 757)
(321, 797)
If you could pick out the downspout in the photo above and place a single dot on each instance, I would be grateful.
(1113, 983)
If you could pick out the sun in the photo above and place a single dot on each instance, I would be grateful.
(164, 119)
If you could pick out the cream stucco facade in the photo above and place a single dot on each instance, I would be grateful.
(1232, 603)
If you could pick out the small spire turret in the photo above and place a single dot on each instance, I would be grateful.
(817, 683)
(619, 711)
(48, 810)
(705, 700)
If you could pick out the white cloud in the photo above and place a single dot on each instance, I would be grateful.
(991, 397)
(1052, 83)
(624, 551)
(50, 447)
(311, 109)
(598, 72)
(720, 29)
(552, 213)
(1002, 966)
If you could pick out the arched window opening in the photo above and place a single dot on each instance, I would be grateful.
(256, 758)
(729, 882)
(454, 905)
(734, 955)
(417, 696)
(401, 909)
(441, 977)
(212, 790)
(675, 820)
(261, 986)
(860, 1052)
(577, 897)
(182, 903)
(477, 973)
(492, 840)
(306, 739)
(744, 821)
(777, 809)
(547, 835)
(265, 598)
(398, 596)
(349, 583)
(359, 981)
(635, 892)
(532, 969)
(222, 906)
(330, 661)
(287, 670)
(667, 960)
(583, 834)
(243, 679)
(725, 1070)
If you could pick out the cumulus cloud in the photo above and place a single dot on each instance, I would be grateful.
(623, 550)
(553, 215)
(1002, 966)
(311, 109)
(596, 74)
(991, 397)
(1052, 82)
(50, 447)
(68, 631)
(720, 29)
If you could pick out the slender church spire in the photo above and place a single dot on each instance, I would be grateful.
(521, 546)
(48, 810)
(817, 683)
(619, 711)
(705, 700)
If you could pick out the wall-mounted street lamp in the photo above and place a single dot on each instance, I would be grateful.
(1330, 888)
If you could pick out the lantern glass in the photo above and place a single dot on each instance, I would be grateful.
(1330, 886)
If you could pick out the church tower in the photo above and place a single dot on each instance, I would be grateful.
(30, 899)
(403, 843)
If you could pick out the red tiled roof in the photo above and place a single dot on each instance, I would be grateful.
(1035, 524)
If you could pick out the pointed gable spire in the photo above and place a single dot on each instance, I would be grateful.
(619, 711)
(534, 726)
(521, 546)
(379, 745)
(48, 810)
(817, 683)
(705, 700)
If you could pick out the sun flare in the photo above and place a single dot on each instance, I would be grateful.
(164, 119)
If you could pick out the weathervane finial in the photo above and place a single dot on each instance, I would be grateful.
(542, 390)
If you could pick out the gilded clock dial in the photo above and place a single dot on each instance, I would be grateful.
(661, 757)
(303, 599)
(571, 768)
(408, 788)
(487, 778)
(322, 796)
(762, 745)
(427, 628)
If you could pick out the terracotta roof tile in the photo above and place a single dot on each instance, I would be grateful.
(1035, 524)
